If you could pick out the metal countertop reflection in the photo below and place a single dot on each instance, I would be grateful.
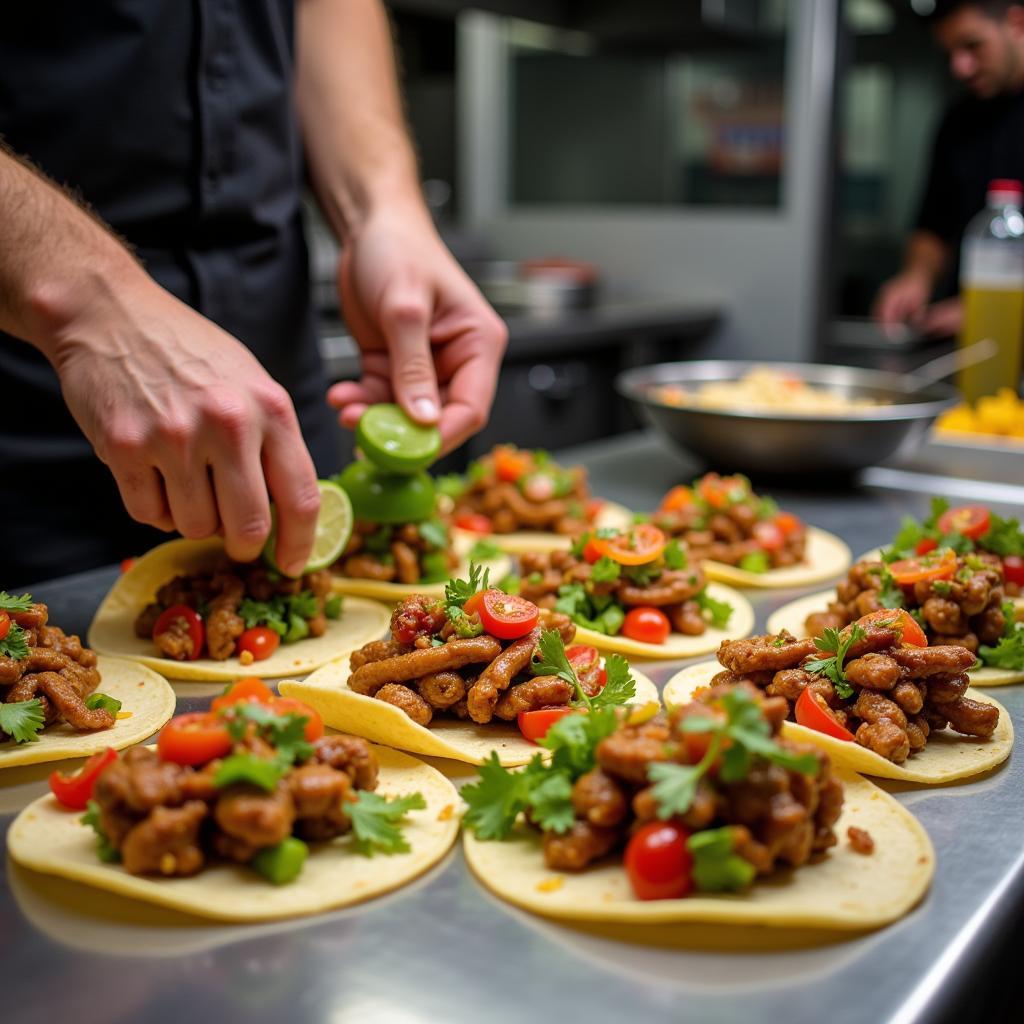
(444, 949)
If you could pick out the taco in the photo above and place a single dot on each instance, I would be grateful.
(706, 814)
(59, 700)
(955, 599)
(525, 501)
(871, 697)
(635, 592)
(742, 538)
(186, 610)
(248, 815)
(475, 672)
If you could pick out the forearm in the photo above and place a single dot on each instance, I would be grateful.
(360, 156)
(926, 256)
(57, 262)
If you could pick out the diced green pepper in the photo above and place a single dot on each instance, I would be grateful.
(283, 863)
(332, 606)
(298, 629)
(101, 700)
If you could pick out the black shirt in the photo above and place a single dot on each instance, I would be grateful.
(978, 140)
(174, 120)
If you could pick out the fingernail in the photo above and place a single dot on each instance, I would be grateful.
(294, 569)
(425, 409)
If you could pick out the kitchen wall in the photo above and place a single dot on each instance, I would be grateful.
(766, 265)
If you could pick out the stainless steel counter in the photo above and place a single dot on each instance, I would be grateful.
(443, 949)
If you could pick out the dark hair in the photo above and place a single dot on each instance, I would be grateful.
(993, 8)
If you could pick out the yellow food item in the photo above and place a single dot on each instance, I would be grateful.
(1000, 415)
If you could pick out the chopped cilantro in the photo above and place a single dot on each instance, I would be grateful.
(605, 570)
(15, 644)
(22, 720)
(755, 561)
(483, 551)
(105, 850)
(332, 606)
(10, 603)
(716, 868)
(835, 643)
(1003, 537)
(376, 821)
(247, 768)
(434, 533)
(674, 555)
(717, 613)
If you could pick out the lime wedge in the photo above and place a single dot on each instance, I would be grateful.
(392, 441)
(333, 529)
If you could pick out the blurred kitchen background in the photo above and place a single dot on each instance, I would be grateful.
(663, 179)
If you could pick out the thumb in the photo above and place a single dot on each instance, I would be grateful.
(405, 313)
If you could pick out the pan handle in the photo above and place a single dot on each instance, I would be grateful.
(952, 362)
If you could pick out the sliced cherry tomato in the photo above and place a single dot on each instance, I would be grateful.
(75, 791)
(506, 616)
(638, 545)
(658, 861)
(679, 497)
(913, 634)
(535, 724)
(292, 706)
(193, 738)
(648, 625)
(924, 545)
(510, 464)
(1013, 569)
(970, 520)
(126, 564)
(250, 689)
(591, 551)
(583, 659)
(787, 523)
(260, 642)
(593, 507)
(5, 624)
(474, 522)
(194, 624)
(722, 491)
(935, 565)
(813, 713)
(769, 535)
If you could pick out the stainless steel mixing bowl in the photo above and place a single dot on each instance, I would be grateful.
(781, 443)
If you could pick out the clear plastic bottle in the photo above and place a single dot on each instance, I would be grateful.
(992, 287)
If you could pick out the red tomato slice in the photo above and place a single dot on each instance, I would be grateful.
(935, 565)
(292, 706)
(260, 642)
(506, 616)
(5, 624)
(586, 660)
(813, 713)
(658, 862)
(474, 522)
(648, 625)
(193, 738)
(196, 630)
(787, 523)
(677, 498)
(769, 535)
(249, 689)
(510, 464)
(1013, 569)
(638, 545)
(970, 520)
(591, 552)
(75, 791)
(924, 545)
(535, 724)
(722, 491)
(913, 634)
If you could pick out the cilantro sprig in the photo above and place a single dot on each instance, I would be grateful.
(15, 643)
(286, 615)
(736, 740)
(717, 613)
(458, 592)
(105, 849)
(10, 603)
(1009, 651)
(377, 820)
(837, 645)
(22, 720)
(620, 687)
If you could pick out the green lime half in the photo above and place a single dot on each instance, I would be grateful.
(333, 529)
(380, 497)
(389, 439)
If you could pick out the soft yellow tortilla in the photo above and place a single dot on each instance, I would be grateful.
(327, 691)
(677, 645)
(145, 696)
(825, 557)
(947, 757)
(843, 890)
(392, 593)
(611, 516)
(112, 630)
(793, 615)
(50, 840)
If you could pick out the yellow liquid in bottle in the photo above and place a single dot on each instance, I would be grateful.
(996, 313)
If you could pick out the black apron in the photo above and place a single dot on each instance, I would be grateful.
(174, 120)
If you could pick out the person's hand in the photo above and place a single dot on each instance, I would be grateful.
(902, 298)
(193, 429)
(428, 338)
(941, 319)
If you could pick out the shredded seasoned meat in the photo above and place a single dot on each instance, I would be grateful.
(403, 553)
(532, 695)
(860, 840)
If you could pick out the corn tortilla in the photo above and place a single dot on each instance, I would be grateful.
(48, 839)
(112, 629)
(947, 757)
(843, 890)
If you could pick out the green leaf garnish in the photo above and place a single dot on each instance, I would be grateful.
(22, 720)
(837, 645)
(376, 821)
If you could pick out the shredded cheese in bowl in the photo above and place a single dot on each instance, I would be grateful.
(763, 390)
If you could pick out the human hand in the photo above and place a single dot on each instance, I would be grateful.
(194, 430)
(901, 298)
(429, 339)
(941, 319)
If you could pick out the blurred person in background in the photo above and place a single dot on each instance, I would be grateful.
(160, 360)
(981, 137)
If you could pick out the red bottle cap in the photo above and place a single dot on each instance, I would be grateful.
(1006, 185)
